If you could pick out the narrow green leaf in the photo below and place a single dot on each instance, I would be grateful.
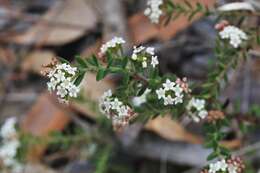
(81, 62)
(124, 62)
(79, 78)
(212, 156)
(101, 74)
(192, 15)
(62, 60)
(93, 61)
(126, 78)
(109, 59)
(258, 39)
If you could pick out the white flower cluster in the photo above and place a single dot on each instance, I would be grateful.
(114, 109)
(61, 81)
(111, 44)
(196, 109)
(222, 166)
(10, 145)
(143, 55)
(234, 34)
(167, 91)
(138, 101)
(153, 10)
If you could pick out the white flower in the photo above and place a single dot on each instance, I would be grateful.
(154, 61)
(8, 129)
(194, 117)
(168, 85)
(213, 168)
(73, 90)
(52, 84)
(134, 57)
(10, 144)
(111, 44)
(51, 73)
(107, 106)
(123, 111)
(106, 94)
(199, 106)
(150, 50)
(61, 91)
(178, 90)
(9, 149)
(137, 101)
(62, 81)
(175, 93)
(71, 70)
(144, 64)
(145, 55)
(153, 10)
(178, 99)
(203, 114)
(60, 76)
(66, 83)
(116, 104)
(232, 168)
(218, 166)
(222, 165)
(168, 100)
(234, 34)
(160, 93)
(138, 49)
(114, 109)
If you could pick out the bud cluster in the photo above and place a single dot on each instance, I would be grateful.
(231, 165)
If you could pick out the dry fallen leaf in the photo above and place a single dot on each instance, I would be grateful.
(232, 144)
(235, 6)
(76, 13)
(35, 60)
(171, 130)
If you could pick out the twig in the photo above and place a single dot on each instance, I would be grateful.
(247, 149)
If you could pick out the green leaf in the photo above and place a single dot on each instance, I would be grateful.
(103, 159)
(142, 90)
(101, 74)
(93, 61)
(224, 151)
(258, 39)
(109, 59)
(126, 78)
(192, 15)
(124, 62)
(81, 62)
(212, 156)
(62, 60)
(79, 78)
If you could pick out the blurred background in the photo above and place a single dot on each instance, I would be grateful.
(32, 32)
